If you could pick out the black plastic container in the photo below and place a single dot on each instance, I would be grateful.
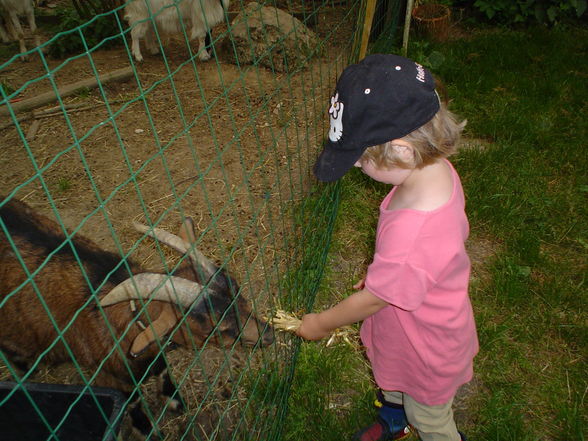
(20, 421)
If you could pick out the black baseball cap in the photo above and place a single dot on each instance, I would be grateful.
(383, 97)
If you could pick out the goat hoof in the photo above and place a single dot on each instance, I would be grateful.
(204, 56)
(175, 406)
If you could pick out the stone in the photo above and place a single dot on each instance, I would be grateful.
(269, 37)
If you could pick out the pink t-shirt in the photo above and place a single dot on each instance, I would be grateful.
(422, 344)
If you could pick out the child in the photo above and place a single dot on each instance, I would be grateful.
(418, 329)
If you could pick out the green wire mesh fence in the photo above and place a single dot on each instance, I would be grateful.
(95, 142)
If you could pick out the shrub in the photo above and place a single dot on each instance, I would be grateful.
(524, 11)
(102, 31)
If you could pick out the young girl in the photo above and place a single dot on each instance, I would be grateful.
(418, 325)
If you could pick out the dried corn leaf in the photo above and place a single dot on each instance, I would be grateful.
(283, 321)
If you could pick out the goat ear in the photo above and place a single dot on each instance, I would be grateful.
(158, 329)
(187, 230)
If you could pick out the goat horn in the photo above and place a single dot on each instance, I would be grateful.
(180, 245)
(171, 289)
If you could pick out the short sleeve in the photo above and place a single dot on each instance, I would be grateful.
(400, 284)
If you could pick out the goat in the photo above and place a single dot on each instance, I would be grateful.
(197, 15)
(93, 304)
(10, 24)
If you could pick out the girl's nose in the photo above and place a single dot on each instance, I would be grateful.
(357, 164)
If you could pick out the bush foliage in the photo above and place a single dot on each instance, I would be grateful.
(526, 11)
(79, 35)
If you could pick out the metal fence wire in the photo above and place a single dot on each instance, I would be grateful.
(155, 213)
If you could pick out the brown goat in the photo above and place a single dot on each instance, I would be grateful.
(50, 282)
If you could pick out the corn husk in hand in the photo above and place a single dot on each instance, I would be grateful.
(283, 321)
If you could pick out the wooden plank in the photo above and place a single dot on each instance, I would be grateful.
(367, 27)
(70, 89)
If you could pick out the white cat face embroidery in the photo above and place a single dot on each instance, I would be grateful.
(336, 119)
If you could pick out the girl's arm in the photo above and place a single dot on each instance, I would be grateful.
(354, 308)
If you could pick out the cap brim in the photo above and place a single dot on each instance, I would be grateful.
(333, 162)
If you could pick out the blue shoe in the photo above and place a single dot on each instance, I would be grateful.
(390, 424)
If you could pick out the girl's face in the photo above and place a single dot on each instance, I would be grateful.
(394, 175)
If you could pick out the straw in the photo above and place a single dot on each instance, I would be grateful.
(284, 321)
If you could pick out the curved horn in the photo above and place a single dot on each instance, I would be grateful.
(169, 239)
(187, 234)
(171, 289)
(180, 245)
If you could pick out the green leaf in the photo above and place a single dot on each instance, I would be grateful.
(552, 13)
(540, 13)
(436, 59)
(580, 7)
(523, 271)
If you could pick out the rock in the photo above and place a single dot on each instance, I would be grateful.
(269, 37)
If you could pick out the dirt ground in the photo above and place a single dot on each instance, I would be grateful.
(230, 146)
(213, 134)
(227, 145)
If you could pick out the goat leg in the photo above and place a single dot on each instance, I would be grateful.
(20, 362)
(169, 391)
(203, 54)
(140, 422)
(4, 32)
(17, 32)
(138, 31)
(33, 26)
(167, 387)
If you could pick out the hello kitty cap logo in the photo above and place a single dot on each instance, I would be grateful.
(335, 117)
(381, 98)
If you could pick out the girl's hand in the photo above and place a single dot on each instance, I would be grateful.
(360, 285)
(311, 329)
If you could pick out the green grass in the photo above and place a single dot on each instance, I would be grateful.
(525, 96)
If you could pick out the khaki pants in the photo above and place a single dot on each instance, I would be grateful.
(433, 423)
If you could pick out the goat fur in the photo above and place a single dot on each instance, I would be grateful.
(10, 25)
(197, 17)
(62, 289)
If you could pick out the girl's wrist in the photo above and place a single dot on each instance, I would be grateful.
(312, 327)
(322, 323)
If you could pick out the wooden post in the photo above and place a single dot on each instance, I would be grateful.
(409, 6)
(70, 89)
(367, 27)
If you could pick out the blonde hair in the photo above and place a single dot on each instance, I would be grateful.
(438, 138)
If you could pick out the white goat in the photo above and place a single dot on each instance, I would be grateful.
(10, 24)
(198, 16)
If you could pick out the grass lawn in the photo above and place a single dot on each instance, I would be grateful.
(524, 170)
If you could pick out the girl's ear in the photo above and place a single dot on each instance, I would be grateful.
(405, 152)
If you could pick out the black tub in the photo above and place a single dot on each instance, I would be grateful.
(73, 413)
